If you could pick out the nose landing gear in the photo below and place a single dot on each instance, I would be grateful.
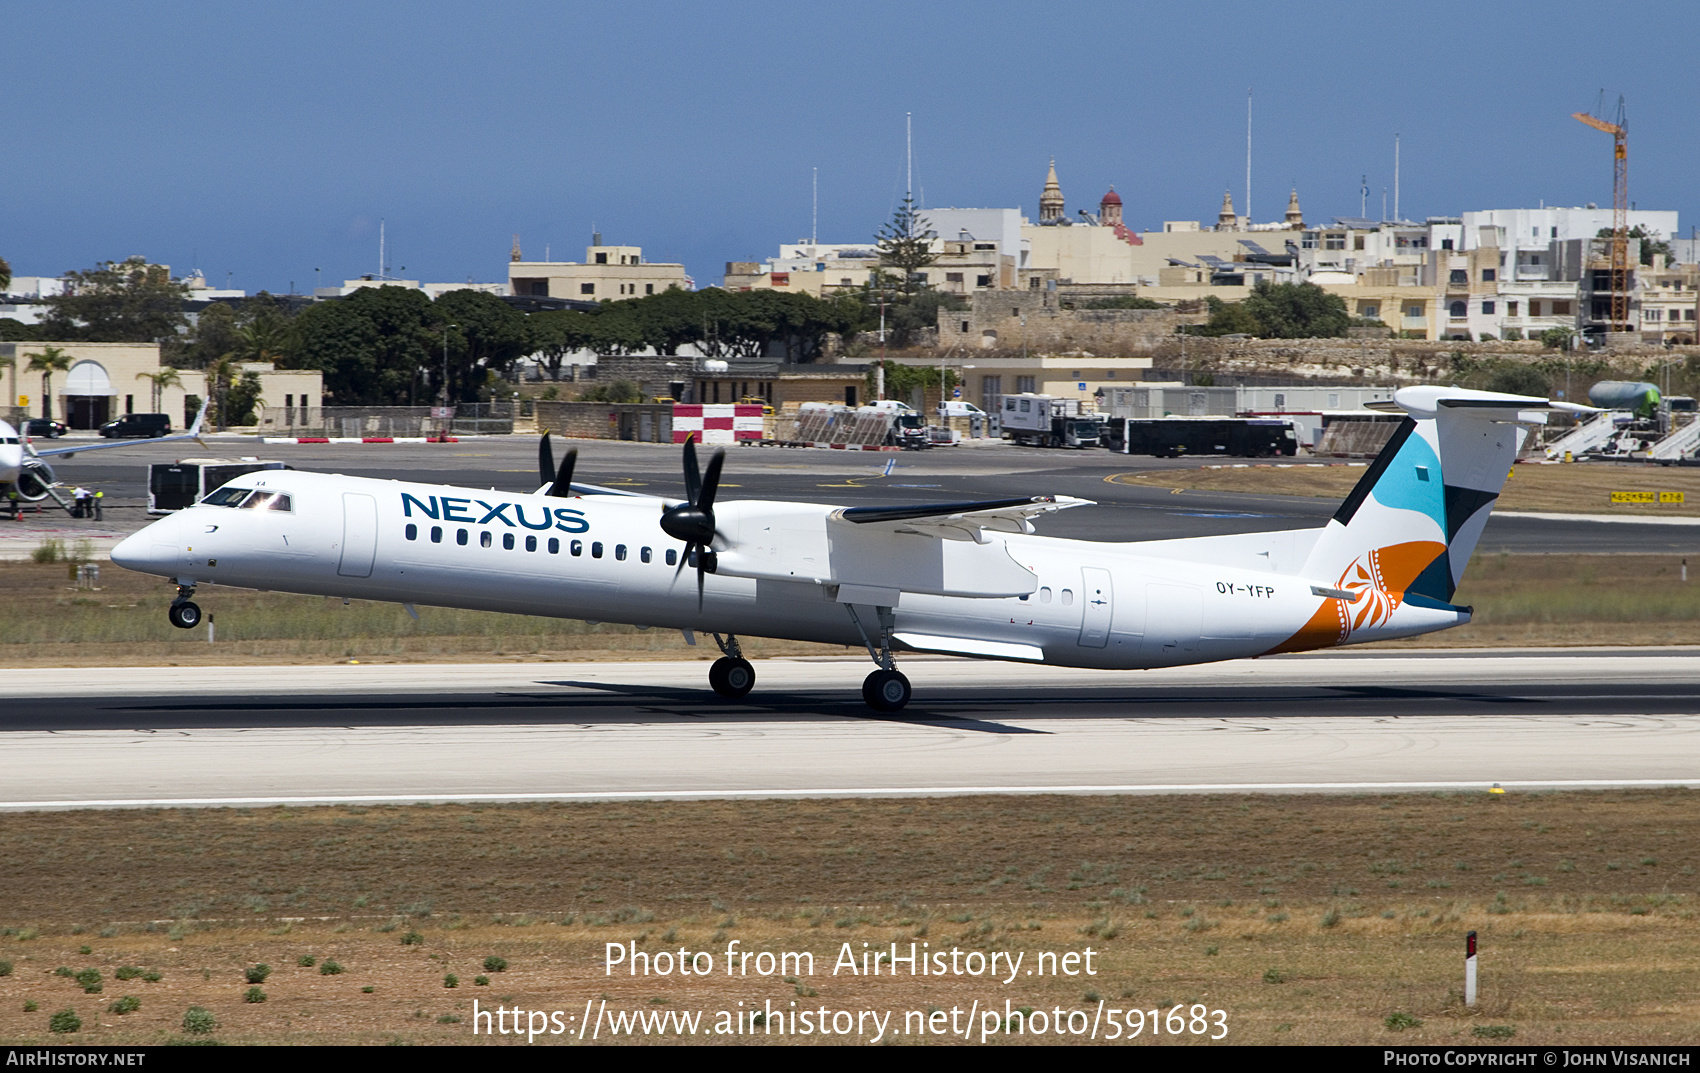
(185, 614)
(731, 675)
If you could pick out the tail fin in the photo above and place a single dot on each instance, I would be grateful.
(1409, 527)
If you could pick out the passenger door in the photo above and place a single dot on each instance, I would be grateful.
(1095, 590)
(359, 534)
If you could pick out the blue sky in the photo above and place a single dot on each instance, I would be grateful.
(260, 142)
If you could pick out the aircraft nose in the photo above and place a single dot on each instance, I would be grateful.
(155, 549)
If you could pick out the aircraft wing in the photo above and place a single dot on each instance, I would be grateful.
(193, 433)
(960, 521)
(874, 554)
(579, 488)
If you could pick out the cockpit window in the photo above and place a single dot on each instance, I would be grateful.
(248, 499)
(266, 501)
(226, 497)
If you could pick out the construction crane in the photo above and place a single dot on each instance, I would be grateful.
(1619, 132)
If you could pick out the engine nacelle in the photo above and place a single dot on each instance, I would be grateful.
(35, 477)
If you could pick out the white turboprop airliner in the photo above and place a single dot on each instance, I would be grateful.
(964, 578)
(21, 464)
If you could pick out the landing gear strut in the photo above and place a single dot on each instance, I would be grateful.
(185, 614)
(885, 690)
(731, 676)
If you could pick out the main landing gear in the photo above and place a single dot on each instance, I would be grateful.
(885, 690)
(731, 676)
(185, 614)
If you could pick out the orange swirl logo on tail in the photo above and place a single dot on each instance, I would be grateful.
(1379, 577)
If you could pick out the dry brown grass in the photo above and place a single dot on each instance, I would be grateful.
(1520, 600)
(1308, 919)
(1583, 488)
(50, 623)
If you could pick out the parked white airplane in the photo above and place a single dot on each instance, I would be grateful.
(21, 464)
(964, 578)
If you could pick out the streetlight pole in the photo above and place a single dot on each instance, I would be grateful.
(446, 328)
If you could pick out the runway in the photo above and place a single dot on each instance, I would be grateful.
(1371, 721)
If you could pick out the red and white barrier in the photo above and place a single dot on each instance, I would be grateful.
(712, 423)
(356, 439)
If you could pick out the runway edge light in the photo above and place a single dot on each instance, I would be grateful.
(1497, 789)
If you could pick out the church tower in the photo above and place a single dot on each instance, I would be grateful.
(1295, 215)
(1227, 220)
(1110, 209)
(1051, 201)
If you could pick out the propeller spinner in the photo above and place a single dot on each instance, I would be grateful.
(693, 520)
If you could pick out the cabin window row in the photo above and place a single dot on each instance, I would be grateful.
(553, 544)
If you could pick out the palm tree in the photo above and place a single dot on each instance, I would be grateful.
(219, 375)
(49, 361)
(164, 378)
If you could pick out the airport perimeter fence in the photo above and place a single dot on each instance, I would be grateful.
(469, 419)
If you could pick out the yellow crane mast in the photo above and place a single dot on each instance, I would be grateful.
(1619, 132)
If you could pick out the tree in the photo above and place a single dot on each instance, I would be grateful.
(913, 314)
(906, 244)
(117, 302)
(1651, 244)
(1519, 379)
(5, 275)
(264, 331)
(493, 333)
(241, 399)
(1278, 311)
(376, 346)
(557, 334)
(1297, 311)
(617, 391)
(164, 378)
(670, 319)
(214, 336)
(49, 361)
(1226, 318)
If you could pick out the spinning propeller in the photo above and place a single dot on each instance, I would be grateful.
(560, 481)
(693, 520)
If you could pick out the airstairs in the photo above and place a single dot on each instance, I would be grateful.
(1680, 443)
(1588, 436)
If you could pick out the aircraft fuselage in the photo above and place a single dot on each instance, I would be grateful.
(605, 558)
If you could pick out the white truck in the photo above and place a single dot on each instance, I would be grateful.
(1047, 421)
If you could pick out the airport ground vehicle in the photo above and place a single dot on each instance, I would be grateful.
(1171, 437)
(131, 425)
(958, 408)
(46, 428)
(966, 578)
(173, 486)
(1045, 421)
